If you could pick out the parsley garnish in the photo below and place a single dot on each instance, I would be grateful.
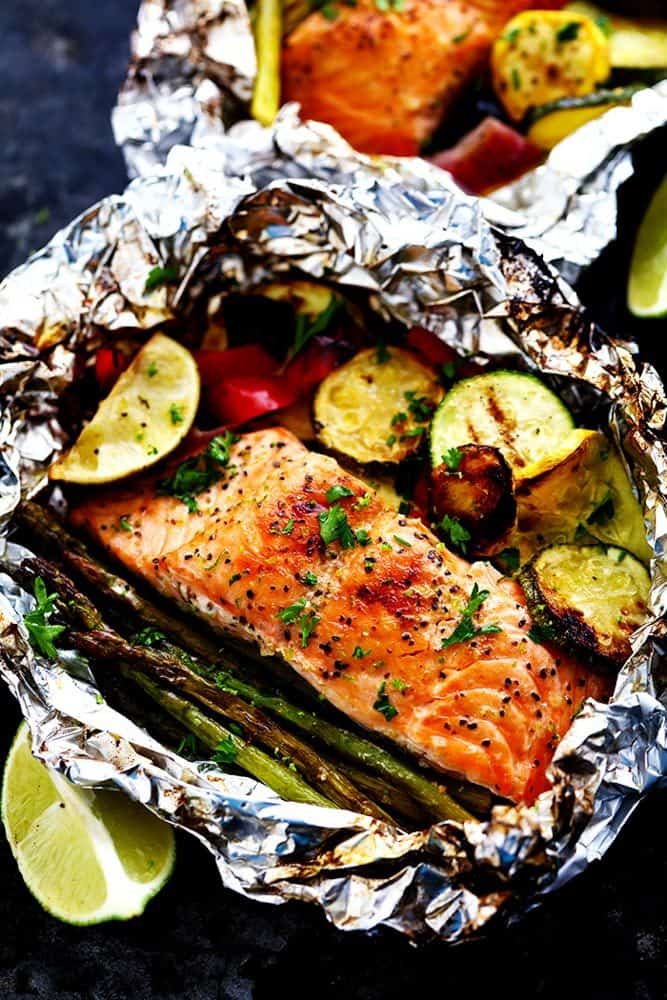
(449, 369)
(420, 407)
(402, 541)
(457, 39)
(158, 276)
(307, 328)
(399, 418)
(290, 614)
(125, 524)
(512, 35)
(391, 441)
(225, 752)
(198, 473)
(337, 493)
(541, 633)
(604, 24)
(509, 559)
(516, 78)
(334, 526)
(466, 629)
(358, 653)
(412, 433)
(176, 413)
(152, 370)
(568, 32)
(330, 12)
(458, 535)
(604, 510)
(363, 537)
(307, 624)
(289, 527)
(149, 636)
(398, 684)
(188, 744)
(383, 705)
(382, 354)
(233, 578)
(309, 578)
(452, 458)
(40, 633)
(363, 501)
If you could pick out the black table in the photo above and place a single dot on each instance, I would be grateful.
(605, 936)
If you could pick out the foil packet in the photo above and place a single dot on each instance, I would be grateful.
(191, 75)
(228, 218)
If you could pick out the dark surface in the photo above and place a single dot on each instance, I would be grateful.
(603, 937)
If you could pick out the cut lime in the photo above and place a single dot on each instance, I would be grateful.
(647, 288)
(86, 855)
(146, 415)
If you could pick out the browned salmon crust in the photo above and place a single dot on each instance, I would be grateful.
(364, 625)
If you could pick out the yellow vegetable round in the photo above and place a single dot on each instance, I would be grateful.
(146, 415)
(543, 55)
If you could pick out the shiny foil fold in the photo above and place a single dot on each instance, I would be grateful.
(228, 218)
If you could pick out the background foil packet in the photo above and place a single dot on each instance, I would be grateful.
(191, 75)
(420, 255)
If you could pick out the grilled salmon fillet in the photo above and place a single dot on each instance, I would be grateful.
(385, 80)
(363, 624)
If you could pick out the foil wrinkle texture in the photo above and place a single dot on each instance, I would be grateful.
(227, 222)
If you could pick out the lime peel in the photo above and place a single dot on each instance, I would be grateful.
(647, 285)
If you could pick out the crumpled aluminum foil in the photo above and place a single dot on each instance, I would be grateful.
(191, 75)
(421, 256)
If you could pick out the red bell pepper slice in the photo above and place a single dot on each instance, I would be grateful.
(242, 397)
(109, 363)
(311, 366)
(216, 366)
(431, 347)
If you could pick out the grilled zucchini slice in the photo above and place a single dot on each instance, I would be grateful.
(588, 494)
(511, 411)
(633, 44)
(474, 486)
(543, 55)
(375, 409)
(589, 598)
(553, 122)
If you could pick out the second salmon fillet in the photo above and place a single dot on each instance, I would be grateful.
(291, 551)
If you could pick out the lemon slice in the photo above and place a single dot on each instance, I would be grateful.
(86, 855)
(647, 287)
(146, 415)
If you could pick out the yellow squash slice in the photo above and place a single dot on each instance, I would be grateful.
(146, 415)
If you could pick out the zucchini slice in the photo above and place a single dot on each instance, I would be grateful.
(589, 598)
(639, 43)
(512, 411)
(586, 495)
(553, 122)
(375, 409)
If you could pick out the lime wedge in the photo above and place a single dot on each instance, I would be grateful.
(146, 415)
(647, 288)
(86, 855)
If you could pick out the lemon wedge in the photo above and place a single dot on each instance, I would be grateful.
(146, 415)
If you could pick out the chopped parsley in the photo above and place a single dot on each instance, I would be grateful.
(125, 524)
(541, 633)
(363, 501)
(335, 527)
(176, 413)
(420, 407)
(308, 622)
(568, 32)
(363, 537)
(403, 542)
(225, 752)
(233, 578)
(152, 370)
(516, 78)
(330, 12)
(457, 39)
(382, 354)
(452, 458)
(159, 276)
(449, 369)
(289, 527)
(337, 493)
(188, 745)
(604, 24)
(398, 684)
(509, 559)
(306, 327)
(309, 578)
(198, 473)
(413, 432)
(458, 535)
(399, 418)
(358, 653)
(391, 441)
(149, 636)
(466, 629)
(604, 510)
(383, 705)
(290, 614)
(40, 633)
(512, 35)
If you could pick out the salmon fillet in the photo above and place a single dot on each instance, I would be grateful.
(385, 80)
(364, 625)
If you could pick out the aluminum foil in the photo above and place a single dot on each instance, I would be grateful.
(223, 218)
(191, 76)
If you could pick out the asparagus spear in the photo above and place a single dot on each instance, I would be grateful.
(46, 527)
(276, 775)
(107, 645)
